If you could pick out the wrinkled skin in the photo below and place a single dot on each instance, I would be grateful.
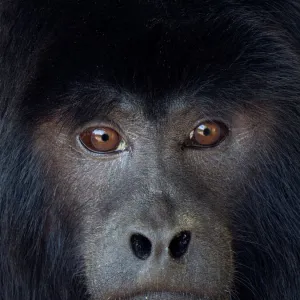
(161, 217)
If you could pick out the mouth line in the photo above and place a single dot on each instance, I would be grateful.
(162, 295)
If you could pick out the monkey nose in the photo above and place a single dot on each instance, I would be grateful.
(141, 246)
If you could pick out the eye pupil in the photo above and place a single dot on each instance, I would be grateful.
(206, 132)
(105, 137)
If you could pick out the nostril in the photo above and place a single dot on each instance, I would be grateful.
(141, 246)
(179, 244)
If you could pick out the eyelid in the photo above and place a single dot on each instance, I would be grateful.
(102, 154)
(103, 122)
(210, 119)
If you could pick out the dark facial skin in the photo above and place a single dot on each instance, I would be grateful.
(198, 199)
(157, 187)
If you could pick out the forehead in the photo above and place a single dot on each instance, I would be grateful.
(143, 47)
(159, 51)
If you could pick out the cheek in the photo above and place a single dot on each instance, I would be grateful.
(234, 160)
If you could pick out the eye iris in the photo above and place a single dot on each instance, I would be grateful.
(100, 139)
(209, 133)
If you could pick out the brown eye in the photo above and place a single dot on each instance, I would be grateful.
(102, 139)
(209, 134)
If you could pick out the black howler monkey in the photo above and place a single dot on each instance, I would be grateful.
(150, 150)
